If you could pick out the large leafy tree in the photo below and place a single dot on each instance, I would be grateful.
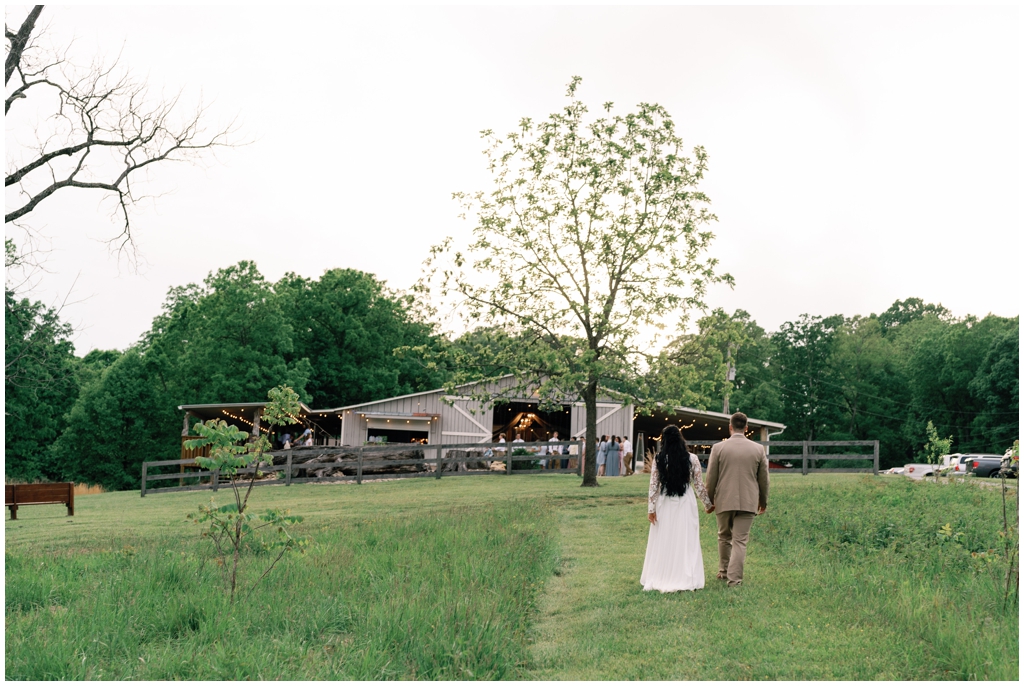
(996, 386)
(695, 368)
(348, 325)
(39, 384)
(227, 340)
(801, 365)
(222, 341)
(125, 417)
(592, 239)
(941, 360)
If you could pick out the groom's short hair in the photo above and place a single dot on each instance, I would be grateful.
(738, 421)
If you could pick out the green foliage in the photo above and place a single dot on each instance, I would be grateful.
(227, 339)
(232, 528)
(110, 428)
(694, 368)
(348, 324)
(592, 239)
(996, 386)
(39, 382)
(881, 377)
(935, 447)
(903, 312)
(226, 452)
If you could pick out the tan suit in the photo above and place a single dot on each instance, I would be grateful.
(737, 484)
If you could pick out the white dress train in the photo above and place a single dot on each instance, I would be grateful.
(674, 561)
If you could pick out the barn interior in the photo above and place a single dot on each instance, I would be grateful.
(699, 428)
(397, 429)
(527, 420)
(326, 426)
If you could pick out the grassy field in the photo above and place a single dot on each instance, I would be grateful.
(521, 577)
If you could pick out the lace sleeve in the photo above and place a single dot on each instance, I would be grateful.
(698, 481)
(655, 489)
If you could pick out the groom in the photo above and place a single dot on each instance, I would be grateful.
(737, 484)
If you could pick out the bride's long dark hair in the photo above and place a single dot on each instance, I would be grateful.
(673, 462)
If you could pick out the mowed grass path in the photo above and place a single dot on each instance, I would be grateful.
(517, 577)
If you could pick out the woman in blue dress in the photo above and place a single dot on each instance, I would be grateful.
(612, 461)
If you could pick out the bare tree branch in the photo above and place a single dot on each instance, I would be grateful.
(104, 132)
(18, 41)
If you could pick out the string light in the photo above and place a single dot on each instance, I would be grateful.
(244, 420)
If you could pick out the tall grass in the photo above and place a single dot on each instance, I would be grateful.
(515, 577)
(846, 578)
(443, 597)
(880, 546)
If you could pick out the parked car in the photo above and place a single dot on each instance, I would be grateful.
(958, 465)
(984, 465)
(921, 470)
(893, 470)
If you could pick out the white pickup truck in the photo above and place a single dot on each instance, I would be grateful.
(920, 471)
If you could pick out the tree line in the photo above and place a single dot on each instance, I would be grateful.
(879, 377)
(95, 419)
(338, 340)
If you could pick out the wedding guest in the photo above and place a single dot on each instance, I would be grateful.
(602, 455)
(614, 451)
(627, 456)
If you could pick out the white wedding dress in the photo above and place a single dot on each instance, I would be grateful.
(674, 561)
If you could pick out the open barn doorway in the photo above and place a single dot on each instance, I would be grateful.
(525, 419)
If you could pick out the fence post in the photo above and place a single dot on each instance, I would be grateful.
(143, 489)
(508, 460)
(804, 471)
(215, 479)
(359, 467)
(288, 469)
(579, 459)
(876, 458)
(439, 465)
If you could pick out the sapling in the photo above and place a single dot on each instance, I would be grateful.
(230, 526)
(935, 447)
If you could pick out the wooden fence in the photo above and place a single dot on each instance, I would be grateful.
(808, 456)
(442, 460)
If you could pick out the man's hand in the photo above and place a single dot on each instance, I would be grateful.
(710, 509)
(761, 509)
(652, 517)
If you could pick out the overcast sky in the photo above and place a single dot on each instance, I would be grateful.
(857, 155)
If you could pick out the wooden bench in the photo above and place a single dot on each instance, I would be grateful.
(16, 495)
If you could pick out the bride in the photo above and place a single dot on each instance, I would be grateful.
(674, 561)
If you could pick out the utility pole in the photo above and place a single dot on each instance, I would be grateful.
(730, 377)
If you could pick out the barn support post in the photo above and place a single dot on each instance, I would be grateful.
(359, 467)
